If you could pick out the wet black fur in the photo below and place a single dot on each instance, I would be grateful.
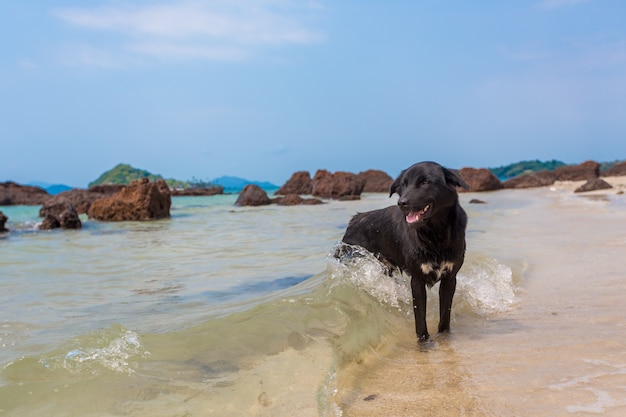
(437, 239)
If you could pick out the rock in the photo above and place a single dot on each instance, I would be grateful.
(480, 179)
(616, 170)
(59, 214)
(338, 185)
(106, 189)
(253, 195)
(198, 192)
(477, 201)
(299, 183)
(3, 220)
(295, 199)
(585, 171)
(535, 179)
(375, 181)
(82, 199)
(12, 194)
(141, 200)
(593, 185)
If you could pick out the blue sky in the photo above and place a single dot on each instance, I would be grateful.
(263, 88)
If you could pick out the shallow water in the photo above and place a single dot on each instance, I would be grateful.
(223, 310)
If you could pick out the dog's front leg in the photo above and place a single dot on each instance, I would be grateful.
(418, 289)
(446, 293)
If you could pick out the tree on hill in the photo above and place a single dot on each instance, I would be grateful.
(123, 174)
(525, 167)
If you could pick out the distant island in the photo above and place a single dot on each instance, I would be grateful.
(506, 172)
(516, 169)
(52, 189)
(124, 174)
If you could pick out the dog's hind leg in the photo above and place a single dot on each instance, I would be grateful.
(418, 289)
(446, 293)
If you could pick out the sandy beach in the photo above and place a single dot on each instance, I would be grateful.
(558, 352)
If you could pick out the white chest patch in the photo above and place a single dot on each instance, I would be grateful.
(444, 268)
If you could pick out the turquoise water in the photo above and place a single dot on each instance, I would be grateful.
(219, 310)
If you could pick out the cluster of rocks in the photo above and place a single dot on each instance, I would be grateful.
(324, 185)
(589, 171)
(340, 185)
(141, 200)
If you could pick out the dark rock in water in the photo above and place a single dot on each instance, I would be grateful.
(3, 220)
(337, 186)
(375, 181)
(585, 171)
(82, 199)
(198, 192)
(477, 201)
(616, 170)
(13, 194)
(60, 214)
(480, 179)
(299, 183)
(535, 179)
(253, 195)
(593, 185)
(141, 200)
(295, 200)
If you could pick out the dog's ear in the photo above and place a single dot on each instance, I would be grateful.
(397, 185)
(454, 178)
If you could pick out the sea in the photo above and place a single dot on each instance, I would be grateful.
(244, 311)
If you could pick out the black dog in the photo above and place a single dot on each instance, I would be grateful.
(423, 235)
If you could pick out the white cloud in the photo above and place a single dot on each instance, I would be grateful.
(194, 29)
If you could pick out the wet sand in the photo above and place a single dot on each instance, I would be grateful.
(560, 351)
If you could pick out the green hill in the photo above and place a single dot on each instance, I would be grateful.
(524, 167)
(123, 174)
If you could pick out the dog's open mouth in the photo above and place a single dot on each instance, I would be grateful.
(416, 216)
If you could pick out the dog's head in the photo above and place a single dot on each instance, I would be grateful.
(425, 189)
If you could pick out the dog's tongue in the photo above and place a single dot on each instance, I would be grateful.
(416, 216)
(413, 217)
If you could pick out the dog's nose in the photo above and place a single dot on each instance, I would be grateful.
(403, 202)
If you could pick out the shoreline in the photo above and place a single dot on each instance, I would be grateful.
(556, 352)
(618, 183)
